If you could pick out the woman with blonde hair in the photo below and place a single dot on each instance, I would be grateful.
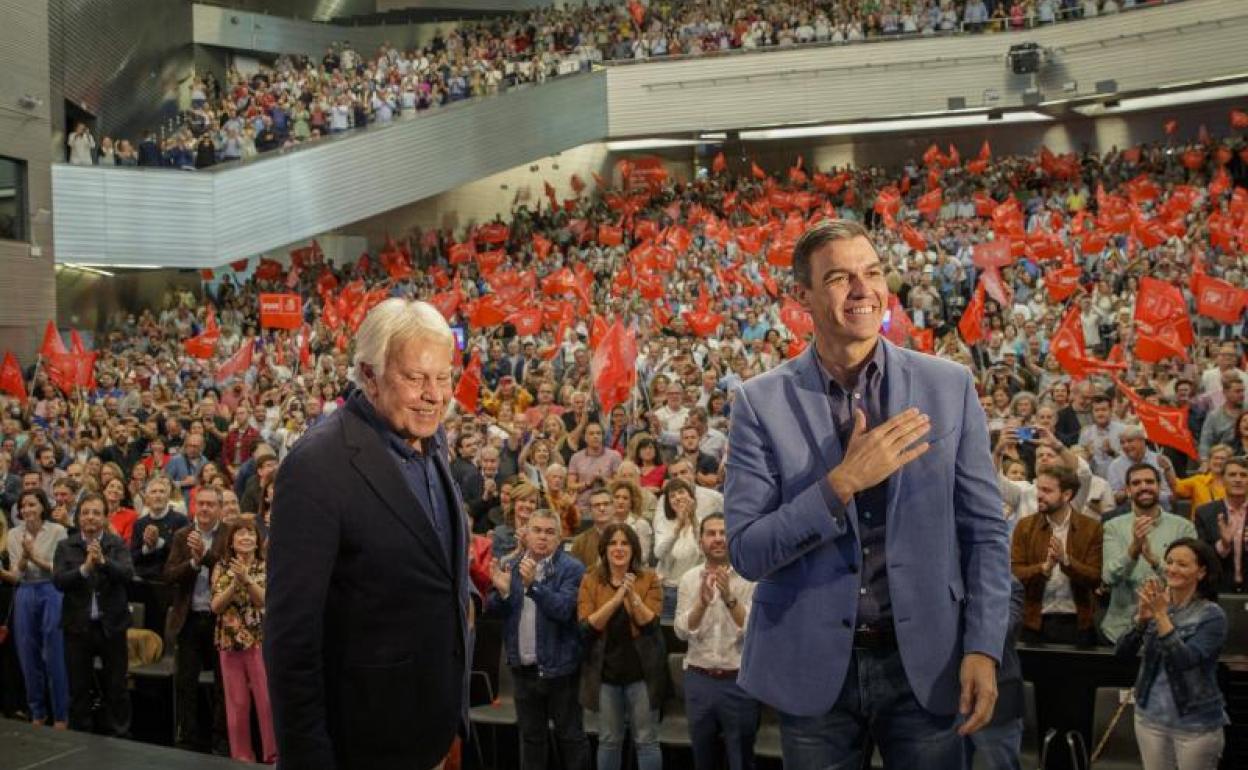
(509, 536)
(628, 510)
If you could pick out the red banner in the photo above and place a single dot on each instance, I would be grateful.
(281, 311)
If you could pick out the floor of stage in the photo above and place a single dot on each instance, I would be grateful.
(26, 747)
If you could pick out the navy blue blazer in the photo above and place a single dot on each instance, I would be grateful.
(946, 537)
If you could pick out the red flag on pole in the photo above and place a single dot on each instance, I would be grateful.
(796, 318)
(1164, 425)
(281, 311)
(468, 389)
(76, 344)
(1161, 304)
(613, 368)
(1063, 282)
(720, 164)
(52, 342)
(971, 325)
(11, 380)
(992, 254)
(1218, 299)
(237, 364)
(1068, 344)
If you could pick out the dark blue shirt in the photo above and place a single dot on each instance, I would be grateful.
(420, 471)
(867, 394)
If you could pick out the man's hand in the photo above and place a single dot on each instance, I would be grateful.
(1057, 550)
(528, 571)
(501, 578)
(707, 593)
(195, 542)
(150, 535)
(873, 455)
(1226, 532)
(721, 585)
(979, 691)
(95, 556)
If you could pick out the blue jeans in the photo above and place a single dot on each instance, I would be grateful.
(41, 649)
(876, 698)
(998, 745)
(627, 705)
(716, 706)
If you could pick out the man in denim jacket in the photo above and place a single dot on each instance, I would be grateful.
(537, 600)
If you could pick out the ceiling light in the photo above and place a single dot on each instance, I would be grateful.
(656, 143)
(887, 126)
(1157, 101)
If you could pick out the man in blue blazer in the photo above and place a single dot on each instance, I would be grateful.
(860, 495)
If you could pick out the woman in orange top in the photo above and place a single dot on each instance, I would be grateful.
(1204, 487)
(623, 675)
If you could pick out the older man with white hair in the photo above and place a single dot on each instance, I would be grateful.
(368, 627)
(1134, 443)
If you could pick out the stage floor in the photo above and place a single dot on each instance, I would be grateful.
(23, 747)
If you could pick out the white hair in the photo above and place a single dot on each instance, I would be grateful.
(395, 320)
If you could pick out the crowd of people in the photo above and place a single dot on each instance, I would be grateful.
(595, 510)
(296, 99)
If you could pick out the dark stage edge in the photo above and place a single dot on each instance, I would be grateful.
(26, 747)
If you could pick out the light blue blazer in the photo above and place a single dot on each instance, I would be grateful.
(946, 536)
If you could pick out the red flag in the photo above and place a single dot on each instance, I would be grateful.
(912, 237)
(929, 203)
(796, 318)
(1239, 120)
(985, 151)
(528, 322)
(1063, 282)
(992, 254)
(207, 274)
(897, 324)
(494, 233)
(461, 253)
(486, 312)
(446, 302)
(75, 342)
(757, 172)
(550, 195)
(238, 265)
(1171, 127)
(1068, 345)
(637, 11)
(1164, 425)
(610, 235)
(281, 311)
(305, 347)
(237, 364)
(924, 339)
(613, 368)
(720, 164)
(468, 389)
(992, 282)
(1159, 343)
(971, 324)
(1161, 304)
(52, 342)
(703, 323)
(578, 184)
(11, 380)
(1217, 299)
(541, 246)
(203, 344)
(269, 270)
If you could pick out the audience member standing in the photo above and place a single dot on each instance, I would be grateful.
(193, 554)
(1179, 631)
(92, 569)
(81, 146)
(1223, 524)
(712, 607)
(537, 599)
(37, 609)
(149, 549)
(624, 672)
(1134, 545)
(238, 580)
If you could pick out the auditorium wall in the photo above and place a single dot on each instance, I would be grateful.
(27, 294)
(123, 63)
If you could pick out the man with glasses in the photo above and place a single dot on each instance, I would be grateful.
(541, 635)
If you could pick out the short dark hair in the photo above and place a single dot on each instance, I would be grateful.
(1206, 557)
(1240, 460)
(1067, 479)
(818, 236)
(88, 497)
(675, 485)
(1101, 398)
(717, 516)
(1137, 467)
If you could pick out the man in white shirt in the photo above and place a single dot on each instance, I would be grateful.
(712, 606)
(1101, 436)
(672, 415)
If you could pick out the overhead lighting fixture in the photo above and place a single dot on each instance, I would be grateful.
(86, 269)
(889, 126)
(714, 136)
(1158, 101)
(116, 266)
(657, 143)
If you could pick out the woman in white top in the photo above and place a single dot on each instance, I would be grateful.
(37, 609)
(628, 509)
(676, 543)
